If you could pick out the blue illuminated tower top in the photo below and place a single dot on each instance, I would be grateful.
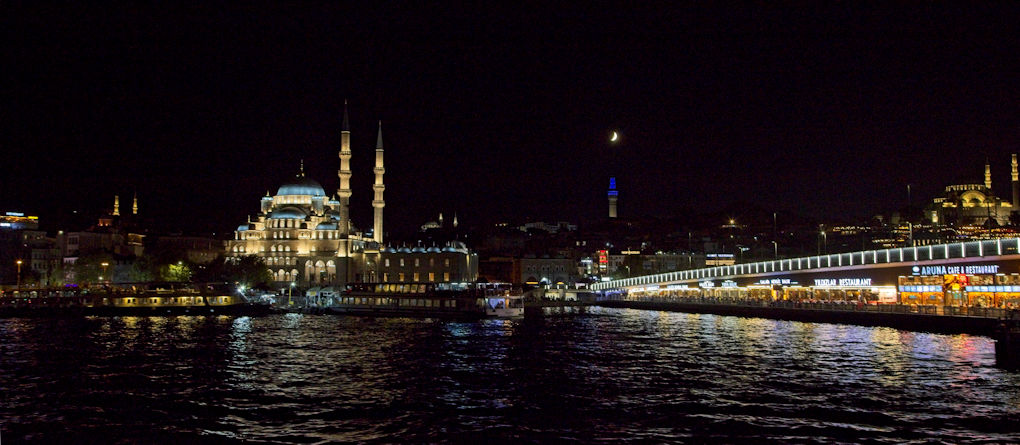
(612, 197)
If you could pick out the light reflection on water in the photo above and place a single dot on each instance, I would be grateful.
(559, 375)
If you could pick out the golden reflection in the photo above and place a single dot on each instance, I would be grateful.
(186, 325)
(157, 324)
(130, 322)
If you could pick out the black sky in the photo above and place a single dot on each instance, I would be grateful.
(829, 112)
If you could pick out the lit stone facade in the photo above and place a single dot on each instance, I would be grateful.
(297, 233)
(306, 237)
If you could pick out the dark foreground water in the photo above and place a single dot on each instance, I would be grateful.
(583, 375)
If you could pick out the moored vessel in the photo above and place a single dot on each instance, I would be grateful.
(424, 300)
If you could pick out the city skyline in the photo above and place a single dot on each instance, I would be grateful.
(830, 114)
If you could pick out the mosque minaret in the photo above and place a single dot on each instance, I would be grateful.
(1014, 177)
(344, 192)
(379, 188)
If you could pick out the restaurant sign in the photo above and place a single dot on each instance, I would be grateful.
(845, 282)
(985, 269)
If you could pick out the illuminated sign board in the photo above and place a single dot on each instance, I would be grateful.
(776, 281)
(956, 270)
(15, 214)
(706, 284)
(846, 282)
(729, 283)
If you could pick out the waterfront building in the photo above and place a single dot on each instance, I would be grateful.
(547, 270)
(308, 238)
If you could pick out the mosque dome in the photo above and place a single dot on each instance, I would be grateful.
(242, 227)
(289, 212)
(326, 226)
(456, 246)
(302, 185)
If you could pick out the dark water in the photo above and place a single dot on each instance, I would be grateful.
(609, 375)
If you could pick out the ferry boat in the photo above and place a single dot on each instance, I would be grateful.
(422, 300)
(125, 302)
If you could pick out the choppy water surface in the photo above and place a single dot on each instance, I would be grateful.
(560, 375)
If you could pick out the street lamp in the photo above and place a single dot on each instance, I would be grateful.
(19, 274)
(290, 298)
(776, 246)
(104, 264)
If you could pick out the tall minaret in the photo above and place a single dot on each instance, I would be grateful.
(612, 197)
(378, 203)
(116, 205)
(134, 205)
(988, 175)
(344, 192)
(1016, 185)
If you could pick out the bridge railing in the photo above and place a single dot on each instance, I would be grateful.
(970, 249)
(958, 311)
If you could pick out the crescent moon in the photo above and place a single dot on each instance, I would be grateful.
(614, 137)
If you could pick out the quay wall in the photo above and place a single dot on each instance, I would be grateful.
(940, 324)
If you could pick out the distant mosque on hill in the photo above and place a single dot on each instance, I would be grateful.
(306, 237)
(976, 204)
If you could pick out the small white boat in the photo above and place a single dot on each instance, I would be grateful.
(504, 305)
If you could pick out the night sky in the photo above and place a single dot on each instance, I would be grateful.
(504, 114)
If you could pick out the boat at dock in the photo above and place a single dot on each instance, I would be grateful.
(422, 300)
(114, 302)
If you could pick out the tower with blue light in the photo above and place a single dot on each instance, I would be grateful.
(613, 196)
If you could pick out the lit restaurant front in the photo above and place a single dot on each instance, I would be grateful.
(981, 285)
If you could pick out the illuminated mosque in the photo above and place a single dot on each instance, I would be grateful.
(307, 238)
(976, 204)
